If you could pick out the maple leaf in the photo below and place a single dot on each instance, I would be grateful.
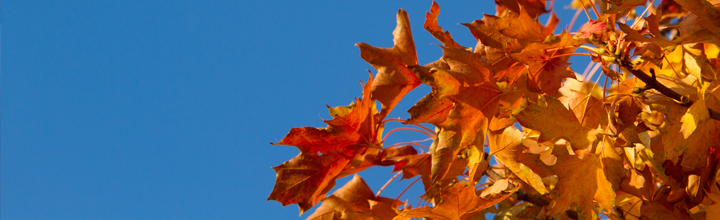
(430, 109)
(554, 121)
(352, 128)
(394, 79)
(575, 136)
(355, 200)
(493, 43)
(545, 73)
(507, 147)
(693, 118)
(706, 10)
(661, 210)
(305, 179)
(523, 27)
(587, 109)
(633, 35)
(459, 202)
(639, 183)
(674, 142)
(534, 8)
(627, 108)
(473, 92)
(437, 32)
(596, 177)
(465, 128)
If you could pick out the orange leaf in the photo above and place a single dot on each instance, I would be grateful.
(352, 127)
(353, 200)
(468, 82)
(394, 79)
(545, 74)
(430, 109)
(673, 140)
(633, 35)
(305, 179)
(475, 96)
(534, 7)
(434, 29)
(586, 108)
(464, 128)
(496, 46)
(523, 27)
(706, 10)
(507, 147)
(413, 165)
(582, 181)
(554, 121)
(458, 202)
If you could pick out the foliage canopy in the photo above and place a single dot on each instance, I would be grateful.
(644, 146)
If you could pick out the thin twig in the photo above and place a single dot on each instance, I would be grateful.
(651, 82)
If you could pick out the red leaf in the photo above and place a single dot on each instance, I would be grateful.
(305, 179)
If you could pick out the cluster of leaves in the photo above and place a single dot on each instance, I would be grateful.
(645, 147)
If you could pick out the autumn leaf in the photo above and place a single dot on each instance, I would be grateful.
(693, 118)
(434, 29)
(507, 147)
(357, 201)
(534, 8)
(588, 110)
(305, 179)
(545, 73)
(430, 109)
(523, 27)
(459, 202)
(352, 128)
(673, 141)
(554, 121)
(454, 135)
(643, 145)
(496, 46)
(707, 10)
(464, 129)
(627, 108)
(596, 177)
(633, 35)
(394, 79)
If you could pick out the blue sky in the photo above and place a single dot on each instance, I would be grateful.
(165, 109)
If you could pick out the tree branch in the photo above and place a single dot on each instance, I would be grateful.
(651, 82)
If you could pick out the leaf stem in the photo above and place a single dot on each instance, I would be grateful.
(388, 183)
(406, 188)
(408, 129)
(414, 143)
(405, 121)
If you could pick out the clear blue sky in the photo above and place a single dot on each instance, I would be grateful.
(165, 109)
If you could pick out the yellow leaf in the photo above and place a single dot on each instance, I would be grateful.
(693, 68)
(507, 147)
(695, 115)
